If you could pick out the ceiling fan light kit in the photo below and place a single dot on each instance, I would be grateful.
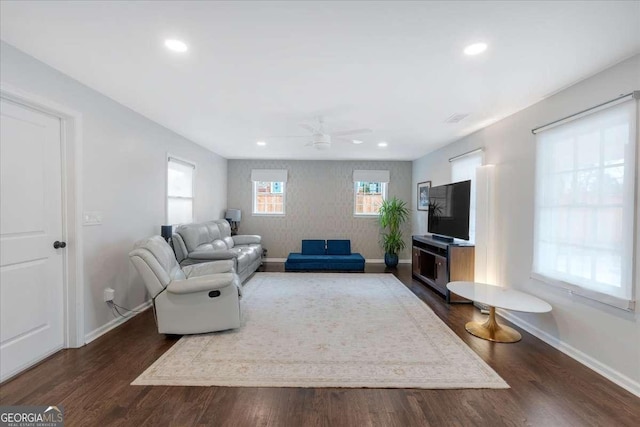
(321, 140)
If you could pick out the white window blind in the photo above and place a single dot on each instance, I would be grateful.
(584, 206)
(463, 168)
(179, 191)
(269, 175)
(371, 176)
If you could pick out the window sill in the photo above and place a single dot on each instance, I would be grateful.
(610, 300)
(275, 215)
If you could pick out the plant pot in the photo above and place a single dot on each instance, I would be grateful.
(391, 260)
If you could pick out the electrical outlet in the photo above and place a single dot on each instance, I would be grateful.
(109, 294)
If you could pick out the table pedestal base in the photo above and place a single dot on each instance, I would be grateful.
(492, 330)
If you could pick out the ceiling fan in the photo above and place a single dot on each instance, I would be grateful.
(321, 140)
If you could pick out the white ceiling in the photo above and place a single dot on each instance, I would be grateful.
(257, 70)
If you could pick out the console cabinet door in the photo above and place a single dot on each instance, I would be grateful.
(442, 276)
(415, 261)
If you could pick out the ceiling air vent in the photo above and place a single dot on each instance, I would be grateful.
(456, 118)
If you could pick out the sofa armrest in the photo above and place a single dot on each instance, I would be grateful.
(212, 255)
(206, 268)
(210, 282)
(246, 239)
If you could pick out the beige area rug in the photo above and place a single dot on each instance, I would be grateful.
(326, 330)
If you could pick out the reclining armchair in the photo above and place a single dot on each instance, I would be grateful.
(195, 299)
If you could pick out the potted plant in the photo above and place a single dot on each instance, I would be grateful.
(393, 213)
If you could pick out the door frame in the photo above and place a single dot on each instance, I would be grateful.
(71, 158)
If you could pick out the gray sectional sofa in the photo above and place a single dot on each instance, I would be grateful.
(212, 241)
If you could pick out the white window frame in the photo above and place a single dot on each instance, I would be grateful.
(629, 248)
(356, 184)
(254, 201)
(177, 159)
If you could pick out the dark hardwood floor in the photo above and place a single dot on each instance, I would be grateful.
(547, 387)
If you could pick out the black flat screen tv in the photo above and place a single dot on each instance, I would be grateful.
(449, 210)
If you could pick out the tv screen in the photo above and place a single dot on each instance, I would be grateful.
(449, 210)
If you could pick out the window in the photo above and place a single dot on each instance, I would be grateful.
(269, 189)
(584, 208)
(463, 168)
(268, 197)
(179, 191)
(369, 197)
(370, 189)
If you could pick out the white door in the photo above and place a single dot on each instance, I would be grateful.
(31, 269)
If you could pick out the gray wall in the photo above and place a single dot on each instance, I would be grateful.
(319, 204)
(608, 339)
(124, 177)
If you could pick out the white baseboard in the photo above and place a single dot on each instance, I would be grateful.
(97, 333)
(368, 261)
(604, 370)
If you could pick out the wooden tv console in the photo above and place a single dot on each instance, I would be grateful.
(437, 262)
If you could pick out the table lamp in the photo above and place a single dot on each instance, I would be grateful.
(233, 216)
(166, 231)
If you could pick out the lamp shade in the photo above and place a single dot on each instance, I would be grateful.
(233, 215)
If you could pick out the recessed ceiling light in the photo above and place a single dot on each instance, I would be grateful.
(382, 144)
(261, 143)
(176, 45)
(356, 141)
(475, 49)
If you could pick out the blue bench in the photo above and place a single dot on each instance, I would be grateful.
(333, 255)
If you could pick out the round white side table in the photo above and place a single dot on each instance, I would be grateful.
(496, 296)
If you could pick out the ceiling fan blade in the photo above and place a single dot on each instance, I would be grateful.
(341, 139)
(309, 128)
(351, 132)
(287, 136)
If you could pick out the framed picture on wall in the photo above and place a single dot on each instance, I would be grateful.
(423, 195)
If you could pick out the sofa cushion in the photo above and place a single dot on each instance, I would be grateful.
(194, 235)
(247, 239)
(338, 247)
(313, 247)
(224, 227)
(214, 231)
(229, 241)
(204, 247)
(251, 253)
(243, 260)
(216, 245)
(219, 245)
(300, 258)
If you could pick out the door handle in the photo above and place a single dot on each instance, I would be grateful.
(59, 245)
